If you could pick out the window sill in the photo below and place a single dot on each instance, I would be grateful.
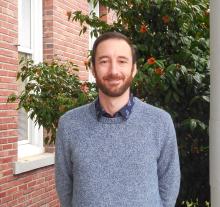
(28, 150)
(33, 162)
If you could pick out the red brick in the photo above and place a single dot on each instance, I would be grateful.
(3, 141)
(2, 194)
(12, 87)
(8, 133)
(9, 67)
(8, 113)
(6, 159)
(12, 190)
(3, 99)
(7, 119)
(18, 194)
(12, 140)
(8, 106)
(6, 93)
(8, 60)
(6, 45)
(3, 153)
(12, 152)
(31, 184)
(8, 126)
(7, 146)
(4, 166)
(7, 199)
(12, 203)
(8, 73)
(23, 187)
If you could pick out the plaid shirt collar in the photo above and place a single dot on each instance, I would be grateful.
(124, 112)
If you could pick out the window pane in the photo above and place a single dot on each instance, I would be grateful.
(24, 23)
(93, 38)
(22, 125)
(22, 114)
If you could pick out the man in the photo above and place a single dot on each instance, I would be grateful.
(116, 151)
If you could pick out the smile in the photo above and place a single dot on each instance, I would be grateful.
(114, 81)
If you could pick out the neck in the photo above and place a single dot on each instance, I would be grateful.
(113, 104)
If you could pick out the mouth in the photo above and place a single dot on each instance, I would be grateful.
(114, 81)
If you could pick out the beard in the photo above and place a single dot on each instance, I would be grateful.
(114, 90)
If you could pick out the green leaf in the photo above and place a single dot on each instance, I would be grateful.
(168, 97)
(197, 77)
(171, 67)
(160, 63)
(176, 97)
(206, 98)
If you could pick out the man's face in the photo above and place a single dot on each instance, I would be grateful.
(114, 70)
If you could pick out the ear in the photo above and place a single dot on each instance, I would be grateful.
(134, 72)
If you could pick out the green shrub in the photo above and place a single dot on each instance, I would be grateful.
(50, 90)
(194, 204)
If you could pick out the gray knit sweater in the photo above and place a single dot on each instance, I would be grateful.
(117, 163)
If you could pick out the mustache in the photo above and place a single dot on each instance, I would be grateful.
(114, 77)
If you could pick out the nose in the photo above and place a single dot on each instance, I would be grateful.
(113, 67)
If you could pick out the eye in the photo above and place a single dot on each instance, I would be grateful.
(103, 61)
(122, 61)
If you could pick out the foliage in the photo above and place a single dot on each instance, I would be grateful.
(172, 40)
(50, 90)
(194, 204)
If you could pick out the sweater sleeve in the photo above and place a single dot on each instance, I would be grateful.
(168, 167)
(63, 168)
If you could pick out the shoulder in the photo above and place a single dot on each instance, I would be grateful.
(75, 115)
(151, 112)
(156, 118)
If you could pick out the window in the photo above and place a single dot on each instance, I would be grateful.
(23, 120)
(92, 39)
(30, 41)
(24, 25)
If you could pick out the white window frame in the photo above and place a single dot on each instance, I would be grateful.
(92, 39)
(34, 144)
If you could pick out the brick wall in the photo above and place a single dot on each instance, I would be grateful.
(32, 189)
(37, 187)
(8, 116)
(61, 37)
(106, 16)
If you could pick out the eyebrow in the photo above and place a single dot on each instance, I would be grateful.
(123, 57)
(101, 57)
(105, 56)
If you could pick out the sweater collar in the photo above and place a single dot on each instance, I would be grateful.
(124, 112)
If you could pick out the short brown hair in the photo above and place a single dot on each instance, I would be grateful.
(112, 35)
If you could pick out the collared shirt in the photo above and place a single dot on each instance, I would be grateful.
(124, 112)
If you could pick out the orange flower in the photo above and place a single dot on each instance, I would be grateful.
(207, 12)
(151, 61)
(143, 28)
(178, 66)
(166, 19)
(38, 72)
(69, 13)
(61, 108)
(84, 87)
(86, 62)
(159, 71)
(70, 71)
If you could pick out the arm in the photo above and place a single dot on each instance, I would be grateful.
(63, 168)
(168, 167)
